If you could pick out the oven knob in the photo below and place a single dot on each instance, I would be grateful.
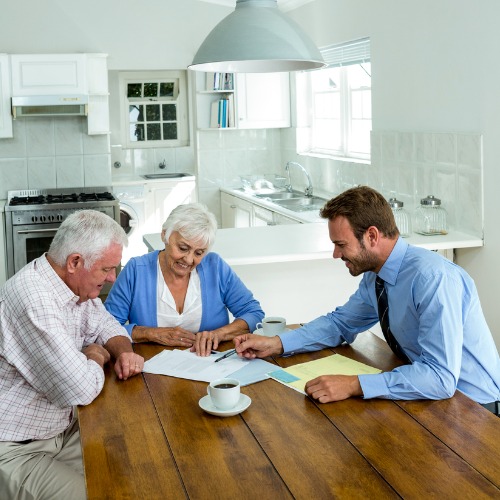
(51, 217)
(34, 218)
(43, 218)
(59, 218)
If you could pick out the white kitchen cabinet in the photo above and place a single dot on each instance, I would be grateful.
(97, 89)
(162, 197)
(65, 74)
(263, 100)
(5, 95)
(256, 100)
(280, 219)
(236, 212)
(48, 74)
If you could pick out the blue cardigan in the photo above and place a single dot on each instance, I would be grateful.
(133, 295)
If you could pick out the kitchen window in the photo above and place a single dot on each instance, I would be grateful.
(154, 109)
(334, 104)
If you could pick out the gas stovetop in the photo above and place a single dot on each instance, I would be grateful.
(37, 198)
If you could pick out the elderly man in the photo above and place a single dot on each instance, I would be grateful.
(55, 337)
(427, 306)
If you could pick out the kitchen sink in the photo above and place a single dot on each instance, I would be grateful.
(279, 196)
(302, 204)
(169, 175)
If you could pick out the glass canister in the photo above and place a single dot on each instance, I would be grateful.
(431, 217)
(401, 217)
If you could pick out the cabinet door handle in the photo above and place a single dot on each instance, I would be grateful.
(233, 206)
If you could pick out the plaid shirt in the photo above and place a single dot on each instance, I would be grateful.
(43, 372)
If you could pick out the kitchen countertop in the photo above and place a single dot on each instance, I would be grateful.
(304, 217)
(299, 242)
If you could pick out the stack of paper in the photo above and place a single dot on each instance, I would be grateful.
(186, 364)
(297, 376)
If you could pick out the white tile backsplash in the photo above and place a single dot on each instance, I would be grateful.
(70, 171)
(51, 152)
(41, 173)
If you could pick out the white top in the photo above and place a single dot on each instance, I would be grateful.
(167, 315)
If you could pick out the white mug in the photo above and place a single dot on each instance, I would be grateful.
(224, 393)
(272, 325)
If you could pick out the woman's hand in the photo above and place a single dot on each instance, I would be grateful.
(205, 342)
(171, 336)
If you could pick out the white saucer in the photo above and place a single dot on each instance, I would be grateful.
(206, 404)
(260, 331)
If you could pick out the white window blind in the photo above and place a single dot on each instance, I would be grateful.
(354, 52)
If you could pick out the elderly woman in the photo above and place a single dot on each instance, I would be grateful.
(181, 296)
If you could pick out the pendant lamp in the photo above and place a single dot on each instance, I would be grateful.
(257, 38)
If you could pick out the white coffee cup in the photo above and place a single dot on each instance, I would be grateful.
(272, 325)
(224, 393)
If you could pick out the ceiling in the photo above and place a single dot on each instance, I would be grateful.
(284, 5)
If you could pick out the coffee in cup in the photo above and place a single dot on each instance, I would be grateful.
(224, 393)
(272, 325)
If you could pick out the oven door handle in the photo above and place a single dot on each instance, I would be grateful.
(29, 231)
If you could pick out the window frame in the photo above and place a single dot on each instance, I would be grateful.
(180, 99)
(342, 59)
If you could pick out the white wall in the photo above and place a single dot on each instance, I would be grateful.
(434, 70)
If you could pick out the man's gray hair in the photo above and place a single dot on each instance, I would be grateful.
(88, 233)
(192, 221)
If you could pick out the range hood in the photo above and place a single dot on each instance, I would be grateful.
(50, 105)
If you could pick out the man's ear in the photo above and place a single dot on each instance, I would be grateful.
(74, 262)
(372, 236)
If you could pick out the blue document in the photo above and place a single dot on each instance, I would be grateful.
(254, 371)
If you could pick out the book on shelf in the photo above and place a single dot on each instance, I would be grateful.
(222, 112)
(219, 81)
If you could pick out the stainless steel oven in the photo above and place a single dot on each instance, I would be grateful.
(33, 216)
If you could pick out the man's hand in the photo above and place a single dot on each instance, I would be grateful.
(329, 388)
(252, 346)
(97, 353)
(128, 364)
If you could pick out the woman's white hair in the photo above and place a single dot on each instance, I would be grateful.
(192, 221)
(88, 233)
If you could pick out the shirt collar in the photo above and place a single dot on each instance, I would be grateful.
(62, 290)
(390, 269)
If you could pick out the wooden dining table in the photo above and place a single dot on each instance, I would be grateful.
(147, 438)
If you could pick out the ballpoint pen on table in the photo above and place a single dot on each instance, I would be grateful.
(228, 353)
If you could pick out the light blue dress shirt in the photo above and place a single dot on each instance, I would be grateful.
(435, 315)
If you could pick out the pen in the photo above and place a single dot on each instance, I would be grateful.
(228, 353)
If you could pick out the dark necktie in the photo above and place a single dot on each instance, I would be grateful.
(383, 314)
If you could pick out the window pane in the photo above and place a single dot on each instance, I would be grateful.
(359, 75)
(167, 89)
(169, 112)
(136, 113)
(152, 113)
(134, 90)
(327, 105)
(326, 79)
(360, 136)
(154, 132)
(169, 131)
(137, 132)
(150, 90)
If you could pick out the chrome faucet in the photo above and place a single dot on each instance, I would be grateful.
(309, 188)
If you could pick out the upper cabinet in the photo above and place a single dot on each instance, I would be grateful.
(5, 95)
(65, 75)
(242, 100)
(48, 74)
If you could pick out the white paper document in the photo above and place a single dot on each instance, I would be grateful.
(186, 364)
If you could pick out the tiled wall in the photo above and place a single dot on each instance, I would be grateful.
(48, 152)
(409, 166)
(224, 155)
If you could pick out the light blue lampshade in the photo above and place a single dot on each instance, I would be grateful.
(257, 38)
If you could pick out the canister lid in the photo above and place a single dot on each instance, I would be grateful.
(430, 201)
(394, 203)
